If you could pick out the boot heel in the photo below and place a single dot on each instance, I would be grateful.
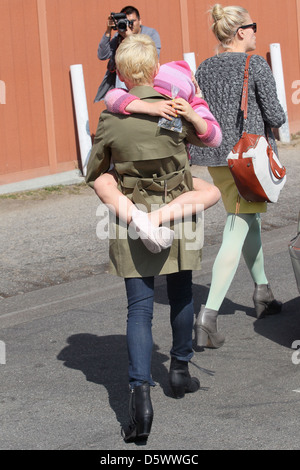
(259, 308)
(206, 331)
(143, 428)
(202, 339)
(141, 414)
(264, 301)
(178, 391)
(180, 380)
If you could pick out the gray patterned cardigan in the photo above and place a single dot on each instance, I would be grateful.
(221, 81)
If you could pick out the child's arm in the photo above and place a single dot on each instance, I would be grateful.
(119, 101)
(213, 135)
(198, 113)
(184, 109)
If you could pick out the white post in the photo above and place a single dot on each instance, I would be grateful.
(2, 92)
(275, 51)
(189, 57)
(2, 353)
(81, 111)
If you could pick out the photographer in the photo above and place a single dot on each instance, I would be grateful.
(108, 46)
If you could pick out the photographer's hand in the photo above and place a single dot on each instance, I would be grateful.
(109, 26)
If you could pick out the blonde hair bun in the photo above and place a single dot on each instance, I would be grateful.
(226, 21)
(217, 12)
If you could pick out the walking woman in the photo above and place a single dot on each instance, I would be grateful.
(152, 167)
(221, 81)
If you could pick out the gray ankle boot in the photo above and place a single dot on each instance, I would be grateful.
(206, 333)
(264, 301)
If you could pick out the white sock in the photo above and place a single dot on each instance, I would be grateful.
(154, 238)
(164, 236)
(145, 229)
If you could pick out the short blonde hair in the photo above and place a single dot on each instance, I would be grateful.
(137, 59)
(226, 22)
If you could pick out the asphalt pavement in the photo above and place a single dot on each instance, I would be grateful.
(63, 359)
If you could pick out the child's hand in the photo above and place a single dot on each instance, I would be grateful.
(184, 109)
(163, 109)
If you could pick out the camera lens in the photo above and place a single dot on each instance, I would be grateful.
(122, 25)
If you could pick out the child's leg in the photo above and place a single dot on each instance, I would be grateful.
(207, 193)
(204, 196)
(155, 239)
(106, 188)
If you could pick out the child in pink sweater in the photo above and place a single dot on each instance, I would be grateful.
(179, 74)
(187, 102)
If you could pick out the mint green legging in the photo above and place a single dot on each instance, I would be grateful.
(242, 234)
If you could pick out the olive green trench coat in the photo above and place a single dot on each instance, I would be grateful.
(152, 167)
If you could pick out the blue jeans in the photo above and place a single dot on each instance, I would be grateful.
(140, 295)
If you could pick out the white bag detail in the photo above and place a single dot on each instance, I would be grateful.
(261, 171)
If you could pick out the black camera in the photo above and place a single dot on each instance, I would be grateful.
(121, 22)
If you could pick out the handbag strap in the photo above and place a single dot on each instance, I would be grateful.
(244, 102)
(278, 172)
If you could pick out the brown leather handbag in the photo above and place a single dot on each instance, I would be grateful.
(257, 171)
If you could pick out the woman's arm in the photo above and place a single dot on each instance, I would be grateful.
(272, 111)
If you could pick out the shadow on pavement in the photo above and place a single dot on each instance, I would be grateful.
(200, 294)
(283, 328)
(103, 360)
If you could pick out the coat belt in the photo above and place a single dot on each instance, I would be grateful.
(154, 184)
(141, 186)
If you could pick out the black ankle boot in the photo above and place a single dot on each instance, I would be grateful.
(180, 380)
(264, 301)
(141, 414)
